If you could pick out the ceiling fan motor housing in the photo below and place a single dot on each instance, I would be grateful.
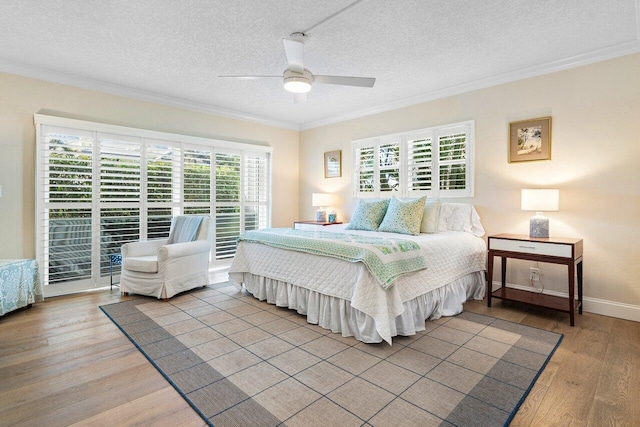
(297, 82)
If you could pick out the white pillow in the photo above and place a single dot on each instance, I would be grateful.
(431, 216)
(460, 217)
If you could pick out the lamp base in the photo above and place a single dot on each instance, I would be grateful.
(321, 215)
(539, 227)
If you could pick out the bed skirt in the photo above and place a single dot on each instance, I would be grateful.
(337, 314)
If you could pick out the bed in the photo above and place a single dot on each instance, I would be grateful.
(346, 298)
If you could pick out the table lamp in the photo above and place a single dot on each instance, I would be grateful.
(539, 200)
(321, 200)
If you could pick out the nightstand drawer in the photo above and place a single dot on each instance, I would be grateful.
(303, 226)
(312, 225)
(528, 247)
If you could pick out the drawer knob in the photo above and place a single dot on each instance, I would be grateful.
(527, 247)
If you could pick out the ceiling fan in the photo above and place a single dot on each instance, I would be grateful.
(297, 79)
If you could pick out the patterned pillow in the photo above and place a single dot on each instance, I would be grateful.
(404, 217)
(368, 215)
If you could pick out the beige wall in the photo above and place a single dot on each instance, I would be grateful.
(595, 159)
(21, 98)
(595, 164)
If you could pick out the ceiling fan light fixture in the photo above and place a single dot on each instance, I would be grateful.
(297, 86)
(296, 82)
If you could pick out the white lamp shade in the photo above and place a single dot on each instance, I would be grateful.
(540, 199)
(321, 199)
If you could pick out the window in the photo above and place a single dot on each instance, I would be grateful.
(437, 162)
(100, 186)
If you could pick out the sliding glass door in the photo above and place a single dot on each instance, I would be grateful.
(98, 188)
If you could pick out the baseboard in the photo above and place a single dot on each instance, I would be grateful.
(592, 305)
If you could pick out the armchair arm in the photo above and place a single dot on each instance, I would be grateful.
(146, 248)
(179, 250)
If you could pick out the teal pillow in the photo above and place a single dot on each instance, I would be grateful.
(403, 217)
(368, 215)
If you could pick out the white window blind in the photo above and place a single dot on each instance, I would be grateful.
(389, 165)
(256, 190)
(100, 186)
(419, 163)
(66, 162)
(197, 181)
(366, 158)
(437, 162)
(163, 186)
(119, 190)
(228, 185)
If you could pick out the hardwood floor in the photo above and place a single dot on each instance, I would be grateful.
(63, 362)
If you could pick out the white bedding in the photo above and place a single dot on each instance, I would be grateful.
(450, 256)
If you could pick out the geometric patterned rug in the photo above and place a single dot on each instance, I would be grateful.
(242, 362)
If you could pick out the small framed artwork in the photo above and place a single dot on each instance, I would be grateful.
(333, 164)
(530, 140)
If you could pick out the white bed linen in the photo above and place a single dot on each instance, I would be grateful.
(450, 255)
(339, 316)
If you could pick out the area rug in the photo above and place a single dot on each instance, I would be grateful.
(240, 361)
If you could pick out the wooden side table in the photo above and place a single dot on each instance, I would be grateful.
(551, 250)
(310, 225)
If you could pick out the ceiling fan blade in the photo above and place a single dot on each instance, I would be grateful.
(299, 98)
(295, 54)
(249, 77)
(346, 81)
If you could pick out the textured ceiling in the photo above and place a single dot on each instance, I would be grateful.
(173, 51)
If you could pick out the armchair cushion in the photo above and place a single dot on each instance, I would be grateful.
(144, 264)
(147, 247)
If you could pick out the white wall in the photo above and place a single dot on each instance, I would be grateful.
(21, 98)
(595, 163)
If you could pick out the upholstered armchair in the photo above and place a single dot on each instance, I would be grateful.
(165, 267)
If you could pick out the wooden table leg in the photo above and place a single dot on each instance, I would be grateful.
(580, 286)
(572, 284)
(489, 278)
(504, 276)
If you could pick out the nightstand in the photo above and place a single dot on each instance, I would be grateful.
(552, 250)
(311, 225)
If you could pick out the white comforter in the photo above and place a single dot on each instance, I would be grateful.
(449, 255)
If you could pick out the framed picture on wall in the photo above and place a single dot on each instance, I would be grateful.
(530, 140)
(333, 164)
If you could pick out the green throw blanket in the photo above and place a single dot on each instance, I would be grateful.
(386, 258)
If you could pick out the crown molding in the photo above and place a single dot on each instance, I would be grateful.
(609, 52)
(142, 95)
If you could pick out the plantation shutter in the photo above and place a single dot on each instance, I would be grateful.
(197, 181)
(419, 163)
(120, 194)
(365, 170)
(164, 188)
(453, 174)
(227, 205)
(437, 162)
(100, 186)
(389, 165)
(65, 179)
(256, 190)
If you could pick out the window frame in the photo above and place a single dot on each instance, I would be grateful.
(435, 133)
(174, 199)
